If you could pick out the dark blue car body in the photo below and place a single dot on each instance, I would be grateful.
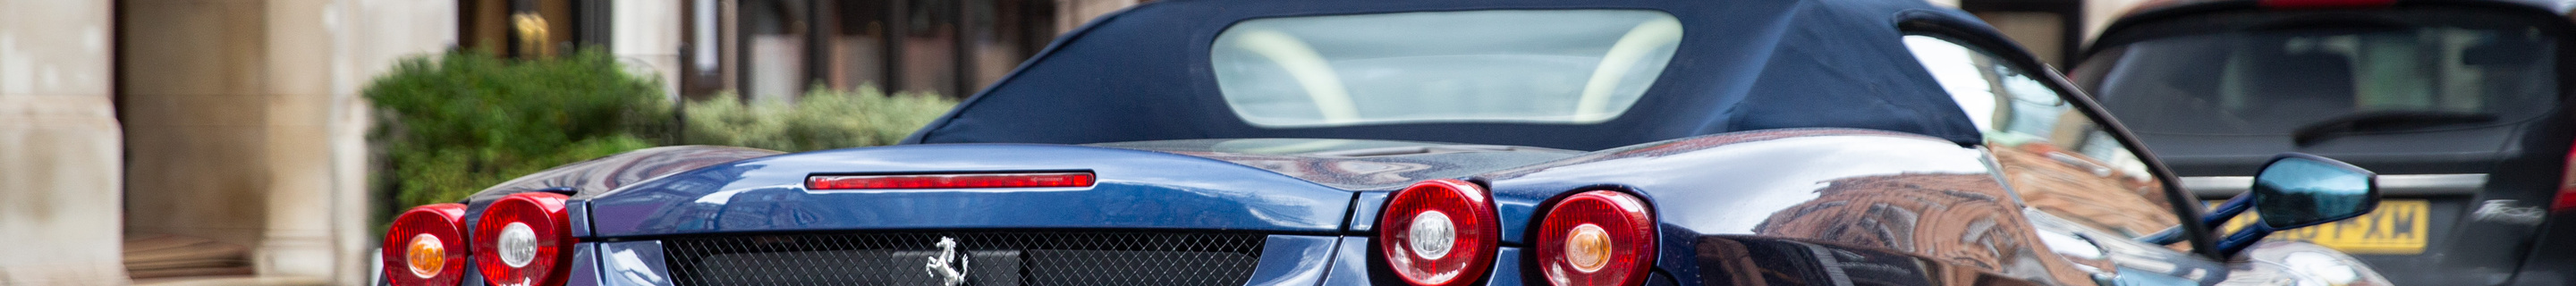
(1771, 118)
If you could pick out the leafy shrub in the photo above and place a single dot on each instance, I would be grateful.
(457, 123)
(822, 119)
(460, 122)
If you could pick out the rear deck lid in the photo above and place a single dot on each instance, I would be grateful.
(1132, 190)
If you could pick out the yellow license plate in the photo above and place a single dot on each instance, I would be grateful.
(2396, 227)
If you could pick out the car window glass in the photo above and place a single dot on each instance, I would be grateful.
(2275, 80)
(1533, 66)
(2057, 159)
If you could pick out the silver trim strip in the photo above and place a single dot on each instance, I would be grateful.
(2220, 187)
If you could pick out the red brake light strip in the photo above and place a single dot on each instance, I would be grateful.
(950, 181)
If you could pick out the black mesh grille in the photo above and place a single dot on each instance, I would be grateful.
(1016, 258)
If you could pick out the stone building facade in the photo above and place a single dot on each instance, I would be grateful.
(244, 132)
(223, 142)
(59, 145)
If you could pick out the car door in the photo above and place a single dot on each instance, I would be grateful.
(2087, 191)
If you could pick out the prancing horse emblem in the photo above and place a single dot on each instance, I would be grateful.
(940, 266)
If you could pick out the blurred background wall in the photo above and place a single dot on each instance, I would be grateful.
(2054, 30)
(245, 137)
(59, 145)
(224, 142)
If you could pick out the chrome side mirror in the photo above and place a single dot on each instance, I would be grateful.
(2299, 190)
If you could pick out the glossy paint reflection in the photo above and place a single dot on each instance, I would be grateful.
(1707, 184)
(2128, 261)
(633, 263)
(2311, 264)
(585, 266)
(1739, 260)
(2084, 188)
(1294, 260)
(1370, 165)
(1929, 201)
(1136, 189)
(591, 178)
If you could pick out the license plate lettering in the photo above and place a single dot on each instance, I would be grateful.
(2396, 227)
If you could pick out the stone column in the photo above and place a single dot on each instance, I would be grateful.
(60, 167)
(646, 37)
(368, 37)
(247, 112)
(321, 54)
(297, 241)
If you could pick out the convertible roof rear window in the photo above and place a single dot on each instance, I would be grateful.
(1519, 66)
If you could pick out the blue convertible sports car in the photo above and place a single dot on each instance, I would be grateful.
(1220, 142)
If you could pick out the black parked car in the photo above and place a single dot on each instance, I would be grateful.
(2459, 104)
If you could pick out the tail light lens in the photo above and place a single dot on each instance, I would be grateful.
(1439, 232)
(1596, 238)
(426, 246)
(520, 240)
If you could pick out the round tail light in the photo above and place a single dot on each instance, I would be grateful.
(521, 240)
(426, 246)
(1596, 238)
(1439, 232)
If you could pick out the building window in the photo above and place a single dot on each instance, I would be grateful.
(2052, 30)
(774, 55)
(929, 61)
(858, 46)
(766, 49)
(531, 28)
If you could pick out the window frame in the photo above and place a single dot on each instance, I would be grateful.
(2184, 207)
(1353, 94)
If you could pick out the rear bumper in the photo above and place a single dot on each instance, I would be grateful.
(1285, 260)
(2552, 259)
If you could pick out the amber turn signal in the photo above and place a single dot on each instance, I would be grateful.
(427, 256)
(1587, 248)
(426, 246)
(1597, 238)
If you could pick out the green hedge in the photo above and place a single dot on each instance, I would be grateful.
(456, 123)
(822, 119)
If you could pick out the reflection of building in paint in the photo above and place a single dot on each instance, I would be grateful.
(1726, 260)
(2084, 190)
(1960, 219)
